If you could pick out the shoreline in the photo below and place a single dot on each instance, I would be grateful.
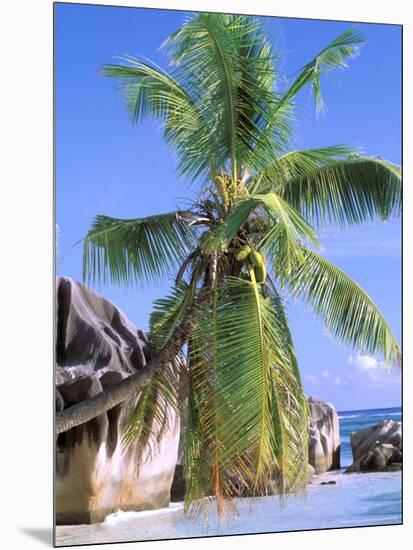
(355, 500)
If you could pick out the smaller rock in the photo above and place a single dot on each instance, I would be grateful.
(324, 436)
(376, 448)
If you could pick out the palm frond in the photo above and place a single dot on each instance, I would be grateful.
(287, 341)
(284, 222)
(228, 66)
(349, 191)
(294, 164)
(287, 232)
(149, 413)
(151, 91)
(348, 313)
(141, 249)
(204, 49)
(334, 55)
(249, 421)
(264, 132)
(169, 312)
(152, 412)
(294, 225)
(289, 351)
(221, 236)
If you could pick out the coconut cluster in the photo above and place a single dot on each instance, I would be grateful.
(254, 261)
(229, 189)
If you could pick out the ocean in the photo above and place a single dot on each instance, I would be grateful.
(355, 500)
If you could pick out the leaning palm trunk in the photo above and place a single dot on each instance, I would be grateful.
(250, 237)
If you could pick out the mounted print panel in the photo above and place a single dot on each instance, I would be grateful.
(228, 282)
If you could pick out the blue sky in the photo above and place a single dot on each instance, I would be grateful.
(104, 165)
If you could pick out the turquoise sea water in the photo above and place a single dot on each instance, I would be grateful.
(355, 500)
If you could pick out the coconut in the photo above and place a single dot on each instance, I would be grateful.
(243, 253)
(260, 273)
(256, 258)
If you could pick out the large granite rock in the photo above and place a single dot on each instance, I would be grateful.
(96, 347)
(323, 437)
(377, 448)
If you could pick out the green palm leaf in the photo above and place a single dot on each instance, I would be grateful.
(297, 228)
(153, 412)
(283, 221)
(264, 133)
(332, 56)
(149, 90)
(170, 311)
(248, 400)
(294, 164)
(289, 351)
(203, 49)
(141, 249)
(229, 70)
(288, 231)
(149, 413)
(348, 313)
(348, 191)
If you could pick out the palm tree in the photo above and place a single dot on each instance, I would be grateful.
(247, 242)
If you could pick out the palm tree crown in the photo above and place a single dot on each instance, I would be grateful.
(248, 241)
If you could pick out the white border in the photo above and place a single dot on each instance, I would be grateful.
(26, 270)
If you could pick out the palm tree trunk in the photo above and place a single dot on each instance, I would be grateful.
(90, 408)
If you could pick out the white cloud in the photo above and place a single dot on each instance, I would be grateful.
(325, 373)
(365, 362)
(337, 381)
(369, 367)
(311, 379)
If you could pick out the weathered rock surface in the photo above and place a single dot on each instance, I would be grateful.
(377, 448)
(96, 347)
(324, 436)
